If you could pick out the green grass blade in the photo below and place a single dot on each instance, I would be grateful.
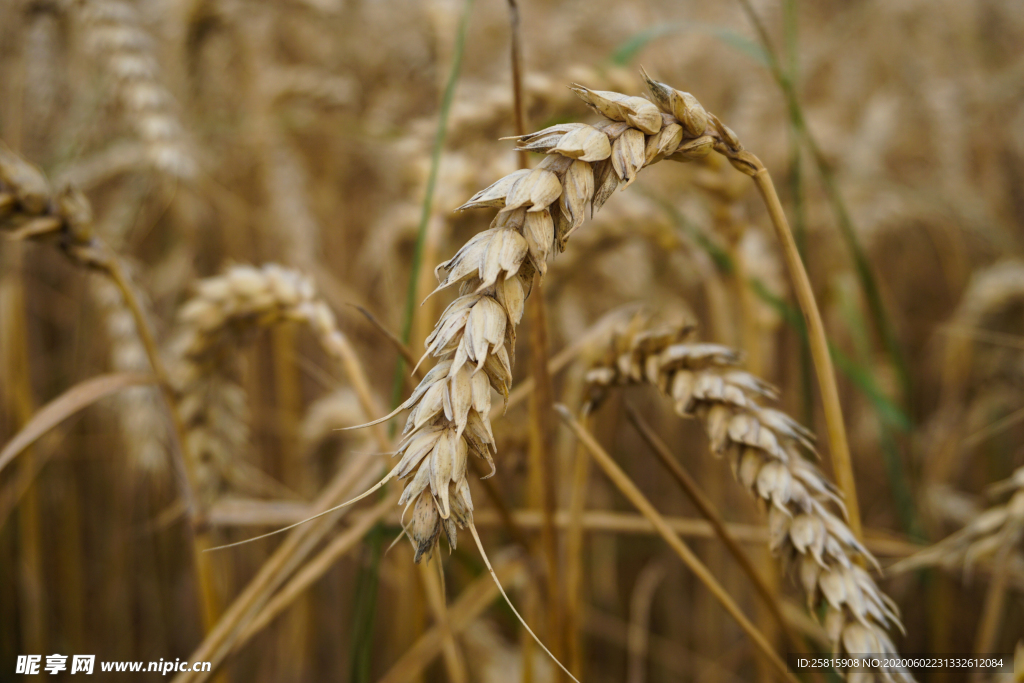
(369, 577)
(631, 48)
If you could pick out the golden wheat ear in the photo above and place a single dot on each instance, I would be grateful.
(487, 561)
(376, 487)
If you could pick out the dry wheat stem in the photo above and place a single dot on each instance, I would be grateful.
(31, 210)
(638, 630)
(472, 601)
(253, 513)
(839, 448)
(710, 513)
(287, 557)
(729, 146)
(622, 481)
(763, 447)
(314, 569)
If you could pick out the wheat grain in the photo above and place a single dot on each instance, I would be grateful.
(763, 446)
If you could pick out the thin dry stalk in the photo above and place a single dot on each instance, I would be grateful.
(30, 210)
(543, 467)
(252, 513)
(839, 449)
(763, 447)
(574, 556)
(622, 482)
(314, 569)
(433, 586)
(638, 636)
(287, 557)
(15, 363)
(710, 513)
(473, 600)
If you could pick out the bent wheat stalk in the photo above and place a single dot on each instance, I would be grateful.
(31, 210)
(763, 447)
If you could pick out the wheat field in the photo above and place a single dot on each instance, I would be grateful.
(512, 341)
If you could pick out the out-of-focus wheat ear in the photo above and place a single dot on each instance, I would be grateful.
(118, 39)
(490, 569)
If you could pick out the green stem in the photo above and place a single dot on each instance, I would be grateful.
(796, 192)
(867, 280)
(428, 199)
(369, 578)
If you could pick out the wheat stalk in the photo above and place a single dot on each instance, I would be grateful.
(763, 447)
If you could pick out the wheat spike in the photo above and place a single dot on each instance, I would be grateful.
(225, 311)
(115, 35)
(30, 209)
(982, 537)
(764, 448)
(474, 341)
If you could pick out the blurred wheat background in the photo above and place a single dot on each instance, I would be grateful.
(271, 183)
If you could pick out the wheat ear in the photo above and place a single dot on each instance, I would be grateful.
(224, 311)
(764, 448)
(115, 35)
(982, 538)
(474, 340)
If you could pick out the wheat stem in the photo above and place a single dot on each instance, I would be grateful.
(626, 486)
(574, 556)
(995, 600)
(220, 641)
(839, 448)
(710, 513)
